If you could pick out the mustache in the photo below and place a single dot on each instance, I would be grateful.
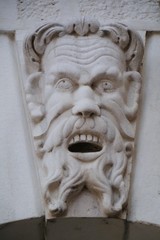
(124, 126)
(112, 107)
(57, 134)
(103, 124)
(41, 128)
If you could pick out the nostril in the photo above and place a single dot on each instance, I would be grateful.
(79, 114)
(86, 109)
(87, 114)
(92, 114)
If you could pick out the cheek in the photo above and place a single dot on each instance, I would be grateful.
(48, 91)
(57, 98)
(114, 96)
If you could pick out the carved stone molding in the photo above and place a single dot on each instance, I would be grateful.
(82, 93)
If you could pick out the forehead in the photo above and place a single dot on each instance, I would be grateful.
(83, 52)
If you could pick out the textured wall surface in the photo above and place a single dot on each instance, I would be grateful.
(37, 9)
(101, 9)
(122, 9)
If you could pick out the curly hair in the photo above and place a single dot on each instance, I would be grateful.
(128, 40)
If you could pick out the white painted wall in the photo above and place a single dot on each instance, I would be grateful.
(8, 10)
(145, 191)
(20, 195)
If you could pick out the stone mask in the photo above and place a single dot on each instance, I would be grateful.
(82, 93)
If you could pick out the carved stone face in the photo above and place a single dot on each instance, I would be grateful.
(83, 104)
(82, 75)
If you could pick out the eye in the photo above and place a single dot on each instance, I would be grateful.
(64, 84)
(105, 86)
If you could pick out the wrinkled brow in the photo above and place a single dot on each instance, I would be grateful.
(62, 71)
(103, 75)
(103, 72)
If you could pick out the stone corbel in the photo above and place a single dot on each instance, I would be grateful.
(82, 93)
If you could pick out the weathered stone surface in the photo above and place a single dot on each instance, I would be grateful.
(85, 228)
(122, 9)
(102, 9)
(141, 231)
(100, 228)
(29, 229)
(37, 9)
(77, 228)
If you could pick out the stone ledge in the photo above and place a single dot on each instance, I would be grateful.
(78, 228)
(27, 229)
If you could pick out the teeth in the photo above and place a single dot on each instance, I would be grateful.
(95, 139)
(72, 141)
(89, 138)
(83, 137)
(76, 138)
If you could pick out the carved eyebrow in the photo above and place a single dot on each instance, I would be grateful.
(63, 71)
(105, 74)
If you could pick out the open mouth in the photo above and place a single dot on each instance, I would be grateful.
(85, 143)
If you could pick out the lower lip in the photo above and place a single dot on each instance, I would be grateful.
(87, 157)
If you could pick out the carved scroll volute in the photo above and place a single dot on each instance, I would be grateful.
(82, 92)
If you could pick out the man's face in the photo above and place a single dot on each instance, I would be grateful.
(83, 94)
(83, 76)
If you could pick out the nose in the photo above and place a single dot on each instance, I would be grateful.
(86, 108)
(85, 104)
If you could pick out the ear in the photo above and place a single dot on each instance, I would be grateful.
(132, 88)
(34, 96)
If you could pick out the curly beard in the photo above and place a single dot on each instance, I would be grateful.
(65, 174)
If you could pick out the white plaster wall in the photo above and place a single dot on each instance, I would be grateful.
(145, 191)
(19, 185)
(8, 10)
(20, 195)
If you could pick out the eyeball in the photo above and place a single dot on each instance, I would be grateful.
(64, 84)
(105, 86)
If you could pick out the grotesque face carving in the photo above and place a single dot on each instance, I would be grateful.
(83, 104)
